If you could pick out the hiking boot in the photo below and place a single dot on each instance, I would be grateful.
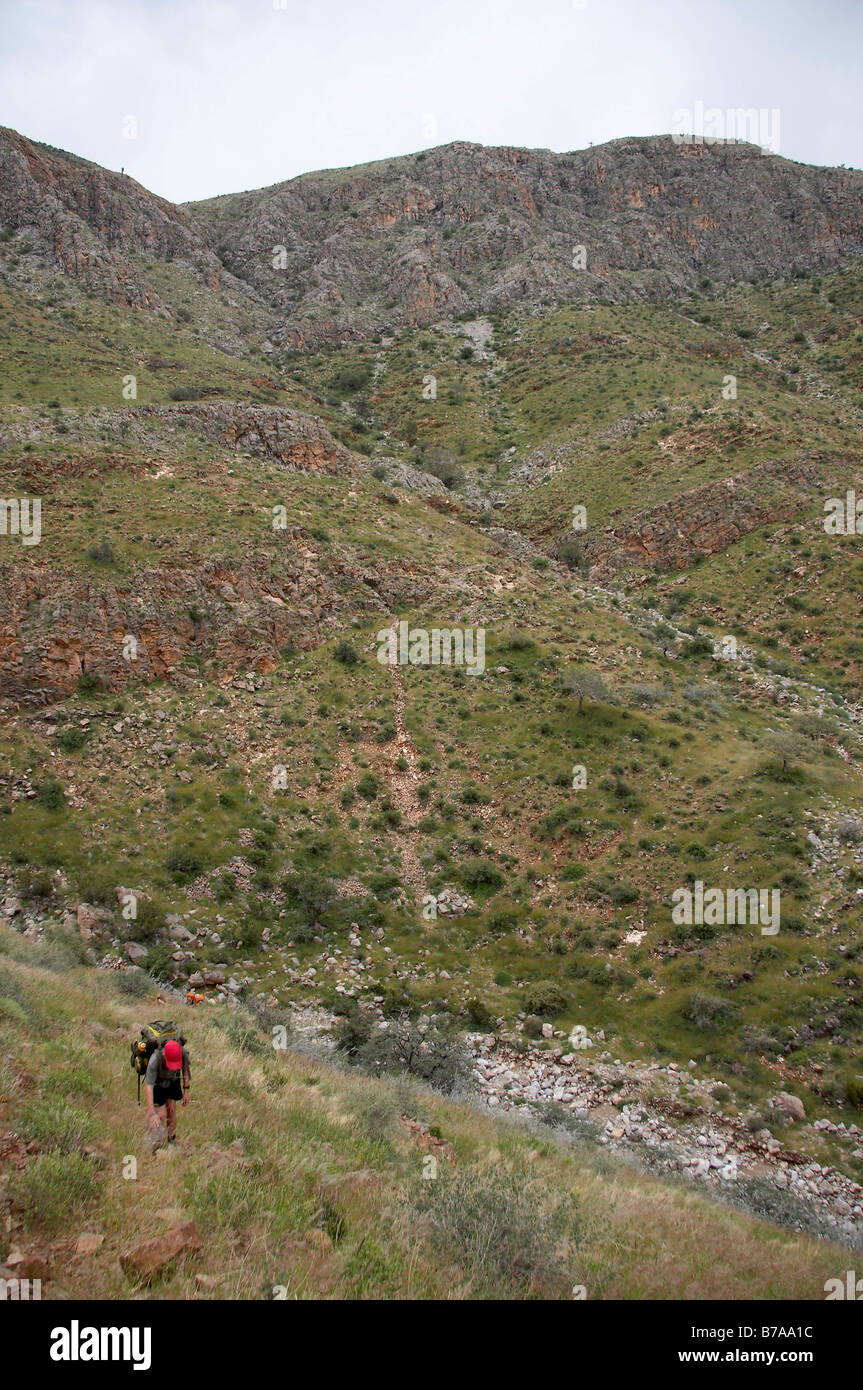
(172, 1138)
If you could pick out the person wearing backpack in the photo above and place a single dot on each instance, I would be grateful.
(167, 1080)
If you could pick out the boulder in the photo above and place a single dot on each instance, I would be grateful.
(136, 952)
(152, 1257)
(88, 1243)
(88, 920)
(789, 1105)
(29, 1266)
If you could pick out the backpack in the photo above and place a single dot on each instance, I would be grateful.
(152, 1036)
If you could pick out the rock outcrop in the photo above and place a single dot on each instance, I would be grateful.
(91, 223)
(343, 254)
(466, 228)
(704, 520)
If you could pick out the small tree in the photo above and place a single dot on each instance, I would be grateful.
(422, 1048)
(788, 749)
(586, 684)
(441, 463)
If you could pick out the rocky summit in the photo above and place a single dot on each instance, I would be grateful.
(430, 671)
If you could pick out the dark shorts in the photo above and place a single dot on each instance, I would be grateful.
(167, 1090)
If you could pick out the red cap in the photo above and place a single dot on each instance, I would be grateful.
(173, 1055)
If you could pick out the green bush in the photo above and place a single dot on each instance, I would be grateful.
(71, 739)
(346, 654)
(544, 997)
(102, 553)
(708, 1011)
(183, 864)
(508, 1230)
(368, 786)
(475, 872)
(854, 1092)
(311, 893)
(422, 1049)
(135, 982)
(50, 794)
(478, 1013)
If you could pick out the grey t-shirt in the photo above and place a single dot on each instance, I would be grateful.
(158, 1073)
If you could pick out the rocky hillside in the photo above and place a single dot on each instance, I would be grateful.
(88, 220)
(465, 229)
(194, 720)
(459, 230)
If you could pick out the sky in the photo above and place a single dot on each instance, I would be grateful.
(199, 97)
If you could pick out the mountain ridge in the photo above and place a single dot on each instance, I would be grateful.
(336, 256)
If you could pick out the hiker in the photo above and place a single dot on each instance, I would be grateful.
(166, 1081)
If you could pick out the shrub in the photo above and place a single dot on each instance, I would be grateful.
(89, 683)
(102, 553)
(71, 740)
(350, 380)
(242, 1034)
(54, 1187)
(441, 463)
(34, 883)
(509, 1231)
(346, 654)
(475, 872)
(623, 893)
(183, 864)
(478, 1013)
(368, 786)
(850, 829)
(135, 982)
(698, 646)
(50, 794)
(353, 1031)
(544, 997)
(187, 393)
(854, 1092)
(421, 1049)
(708, 1011)
(472, 795)
(55, 1124)
(312, 893)
(571, 553)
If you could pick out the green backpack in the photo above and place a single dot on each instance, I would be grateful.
(153, 1036)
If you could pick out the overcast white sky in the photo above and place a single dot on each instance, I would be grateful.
(236, 94)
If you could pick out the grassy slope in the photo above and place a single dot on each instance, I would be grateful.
(324, 1196)
(683, 788)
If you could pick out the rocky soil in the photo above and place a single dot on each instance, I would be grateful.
(653, 1130)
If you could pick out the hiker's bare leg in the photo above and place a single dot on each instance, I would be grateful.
(171, 1107)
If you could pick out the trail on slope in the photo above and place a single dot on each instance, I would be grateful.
(404, 782)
